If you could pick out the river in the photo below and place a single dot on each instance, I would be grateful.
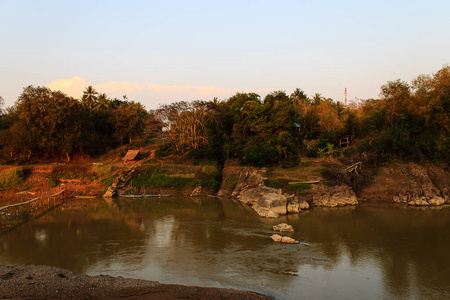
(365, 252)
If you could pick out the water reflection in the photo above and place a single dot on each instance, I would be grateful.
(364, 252)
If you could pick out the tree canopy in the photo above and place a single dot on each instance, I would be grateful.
(410, 120)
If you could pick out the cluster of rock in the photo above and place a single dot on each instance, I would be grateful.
(340, 195)
(270, 202)
(119, 183)
(429, 187)
(266, 201)
(417, 200)
(283, 239)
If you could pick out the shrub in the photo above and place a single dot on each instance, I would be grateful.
(13, 177)
(102, 170)
(259, 155)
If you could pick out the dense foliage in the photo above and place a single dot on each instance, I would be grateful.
(48, 123)
(410, 121)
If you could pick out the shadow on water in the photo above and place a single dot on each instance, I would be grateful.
(369, 251)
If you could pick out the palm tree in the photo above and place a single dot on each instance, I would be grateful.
(317, 98)
(89, 97)
(300, 96)
(103, 102)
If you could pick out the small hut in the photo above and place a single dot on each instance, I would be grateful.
(132, 155)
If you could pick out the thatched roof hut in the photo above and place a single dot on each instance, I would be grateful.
(132, 155)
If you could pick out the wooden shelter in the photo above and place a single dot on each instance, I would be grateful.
(132, 155)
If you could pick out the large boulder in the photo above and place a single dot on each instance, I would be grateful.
(266, 201)
(249, 178)
(252, 195)
(270, 202)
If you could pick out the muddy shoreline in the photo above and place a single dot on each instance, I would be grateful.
(45, 282)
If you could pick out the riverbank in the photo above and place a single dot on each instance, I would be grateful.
(45, 282)
(398, 181)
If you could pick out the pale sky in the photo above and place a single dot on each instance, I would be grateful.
(163, 51)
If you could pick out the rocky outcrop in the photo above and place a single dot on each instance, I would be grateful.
(283, 227)
(429, 186)
(119, 183)
(283, 239)
(266, 201)
(249, 178)
(270, 202)
(341, 195)
(416, 200)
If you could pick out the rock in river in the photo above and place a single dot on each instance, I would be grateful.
(284, 239)
(283, 227)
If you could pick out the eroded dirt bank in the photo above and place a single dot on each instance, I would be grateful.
(44, 282)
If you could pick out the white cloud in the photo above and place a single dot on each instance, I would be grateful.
(73, 87)
(149, 94)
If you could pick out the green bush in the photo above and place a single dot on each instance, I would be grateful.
(13, 177)
(259, 155)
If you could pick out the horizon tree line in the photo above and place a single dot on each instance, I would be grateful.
(410, 121)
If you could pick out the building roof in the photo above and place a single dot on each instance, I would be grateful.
(131, 155)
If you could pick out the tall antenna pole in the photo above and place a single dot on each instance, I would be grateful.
(345, 93)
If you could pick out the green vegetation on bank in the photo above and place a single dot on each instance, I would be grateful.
(171, 177)
(409, 121)
(12, 177)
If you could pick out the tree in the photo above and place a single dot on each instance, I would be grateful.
(2, 104)
(396, 94)
(300, 96)
(129, 120)
(89, 98)
(45, 121)
(184, 123)
(317, 99)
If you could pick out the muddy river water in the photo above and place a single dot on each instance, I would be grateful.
(365, 252)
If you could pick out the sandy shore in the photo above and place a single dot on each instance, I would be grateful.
(44, 282)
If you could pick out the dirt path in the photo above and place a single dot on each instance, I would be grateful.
(44, 282)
